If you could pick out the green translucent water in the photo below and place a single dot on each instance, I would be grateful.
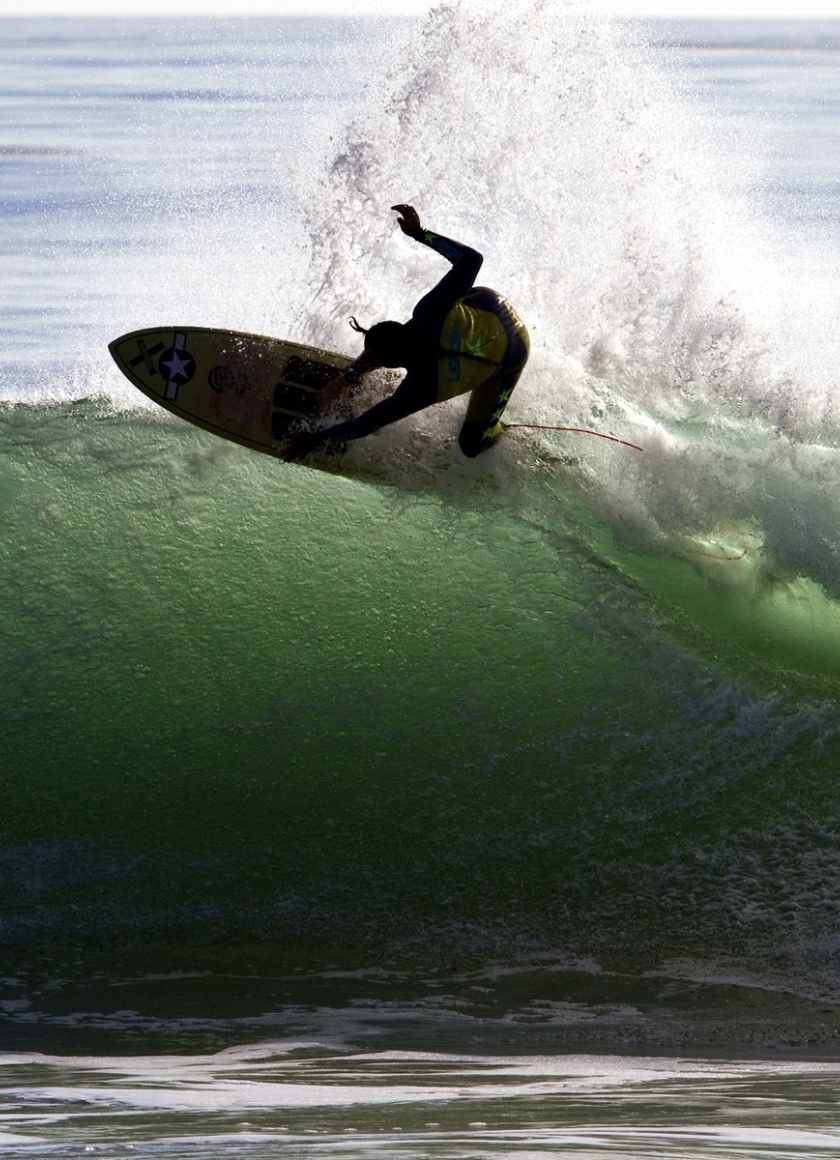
(245, 697)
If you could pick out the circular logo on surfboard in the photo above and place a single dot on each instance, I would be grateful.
(222, 379)
(177, 366)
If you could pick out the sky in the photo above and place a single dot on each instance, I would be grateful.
(825, 9)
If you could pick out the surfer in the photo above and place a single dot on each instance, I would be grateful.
(460, 338)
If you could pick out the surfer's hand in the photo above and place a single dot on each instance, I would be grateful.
(409, 222)
(299, 444)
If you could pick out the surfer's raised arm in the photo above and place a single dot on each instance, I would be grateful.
(409, 223)
(460, 339)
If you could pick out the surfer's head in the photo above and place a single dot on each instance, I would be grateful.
(390, 344)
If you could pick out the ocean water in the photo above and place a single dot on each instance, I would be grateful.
(457, 808)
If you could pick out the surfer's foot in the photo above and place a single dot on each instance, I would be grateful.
(491, 436)
(475, 438)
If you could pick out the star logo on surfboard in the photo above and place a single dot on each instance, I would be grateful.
(177, 366)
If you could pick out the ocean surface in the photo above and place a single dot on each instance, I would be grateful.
(470, 808)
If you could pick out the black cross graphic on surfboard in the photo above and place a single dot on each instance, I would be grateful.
(146, 356)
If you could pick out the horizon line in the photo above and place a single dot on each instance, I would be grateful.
(377, 14)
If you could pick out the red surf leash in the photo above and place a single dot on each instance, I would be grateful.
(576, 430)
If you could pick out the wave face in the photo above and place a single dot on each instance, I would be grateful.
(569, 699)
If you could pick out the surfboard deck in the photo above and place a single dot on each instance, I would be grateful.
(248, 388)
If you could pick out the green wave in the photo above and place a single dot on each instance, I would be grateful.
(241, 697)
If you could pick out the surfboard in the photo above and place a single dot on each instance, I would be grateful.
(252, 389)
(247, 388)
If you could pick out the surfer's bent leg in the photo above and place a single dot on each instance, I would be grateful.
(482, 427)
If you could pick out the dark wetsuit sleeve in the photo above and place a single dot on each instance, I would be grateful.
(406, 399)
(359, 367)
(466, 263)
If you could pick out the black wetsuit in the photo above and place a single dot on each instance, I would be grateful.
(472, 341)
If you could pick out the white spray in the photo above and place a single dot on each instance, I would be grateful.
(552, 140)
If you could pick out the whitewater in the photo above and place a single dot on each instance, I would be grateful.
(380, 792)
